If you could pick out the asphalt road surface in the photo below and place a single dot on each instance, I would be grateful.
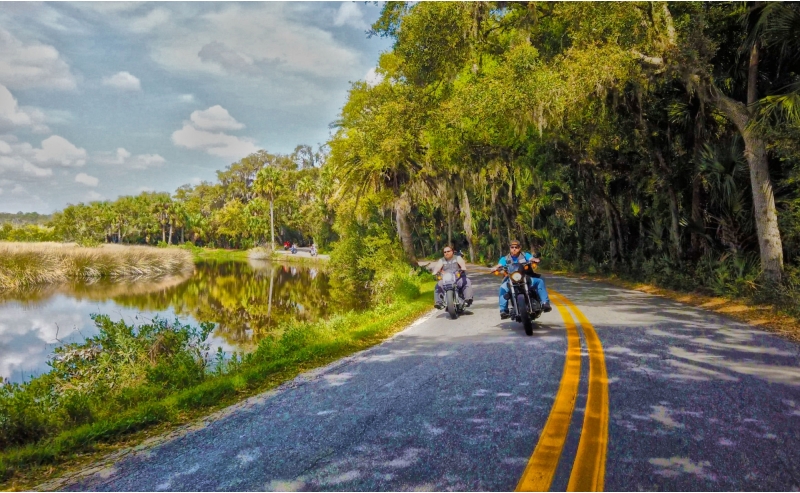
(616, 390)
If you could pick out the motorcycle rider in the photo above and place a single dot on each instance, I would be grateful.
(515, 256)
(451, 263)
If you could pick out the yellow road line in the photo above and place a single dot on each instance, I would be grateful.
(542, 465)
(589, 468)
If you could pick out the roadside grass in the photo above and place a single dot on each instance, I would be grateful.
(25, 265)
(163, 399)
(218, 254)
(771, 310)
(294, 259)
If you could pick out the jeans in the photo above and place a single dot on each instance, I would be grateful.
(536, 282)
(463, 285)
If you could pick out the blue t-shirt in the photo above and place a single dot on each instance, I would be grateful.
(515, 260)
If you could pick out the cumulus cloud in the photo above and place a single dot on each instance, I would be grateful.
(122, 157)
(12, 115)
(216, 144)
(123, 81)
(58, 150)
(87, 180)
(20, 159)
(373, 78)
(31, 169)
(23, 66)
(214, 118)
(198, 133)
(350, 14)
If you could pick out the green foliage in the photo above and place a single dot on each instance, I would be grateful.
(128, 378)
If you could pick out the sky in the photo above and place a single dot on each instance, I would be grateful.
(103, 99)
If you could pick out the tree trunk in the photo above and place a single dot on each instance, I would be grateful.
(611, 236)
(467, 211)
(449, 228)
(402, 208)
(182, 231)
(766, 216)
(272, 223)
(697, 214)
(163, 232)
(170, 233)
(674, 230)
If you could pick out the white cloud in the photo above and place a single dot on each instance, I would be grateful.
(350, 14)
(92, 196)
(24, 66)
(123, 81)
(187, 98)
(86, 179)
(144, 161)
(216, 144)
(11, 115)
(18, 189)
(198, 134)
(252, 40)
(214, 118)
(58, 150)
(123, 158)
(373, 78)
(31, 169)
(15, 160)
(153, 19)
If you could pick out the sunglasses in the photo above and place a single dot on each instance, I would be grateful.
(515, 247)
(448, 251)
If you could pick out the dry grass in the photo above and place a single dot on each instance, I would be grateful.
(23, 265)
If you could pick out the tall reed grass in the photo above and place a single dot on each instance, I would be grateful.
(24, 265)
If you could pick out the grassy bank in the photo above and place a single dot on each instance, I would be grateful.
(129, 379)
(24, 265)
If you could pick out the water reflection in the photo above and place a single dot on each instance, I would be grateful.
(245, 299)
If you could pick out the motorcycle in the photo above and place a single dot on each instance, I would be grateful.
(453, 301)
(294, 249)
(524, 303)
(313, 251)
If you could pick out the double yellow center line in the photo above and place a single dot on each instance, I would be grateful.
(588, 469)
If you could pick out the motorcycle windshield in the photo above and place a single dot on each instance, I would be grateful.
(448, 278)
(515, 267)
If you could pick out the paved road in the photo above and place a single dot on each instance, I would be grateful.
(616, 390)
(301, 252)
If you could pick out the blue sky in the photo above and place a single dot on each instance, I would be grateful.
(102, 99)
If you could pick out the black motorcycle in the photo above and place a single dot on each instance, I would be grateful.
(524, 303)
(453, 301)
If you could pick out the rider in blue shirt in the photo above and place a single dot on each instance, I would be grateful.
(516, 255)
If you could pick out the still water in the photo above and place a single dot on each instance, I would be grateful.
(244, 299)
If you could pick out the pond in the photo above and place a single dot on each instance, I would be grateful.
(246, 300)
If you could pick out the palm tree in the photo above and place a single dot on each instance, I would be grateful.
(268, 184)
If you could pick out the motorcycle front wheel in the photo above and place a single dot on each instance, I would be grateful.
(450, 301)
(527, 322)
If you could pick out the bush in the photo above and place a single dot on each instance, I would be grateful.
(121, 367)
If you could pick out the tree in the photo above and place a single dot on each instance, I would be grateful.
(269, 184)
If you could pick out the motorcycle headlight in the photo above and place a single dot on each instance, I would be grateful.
(516, 277)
